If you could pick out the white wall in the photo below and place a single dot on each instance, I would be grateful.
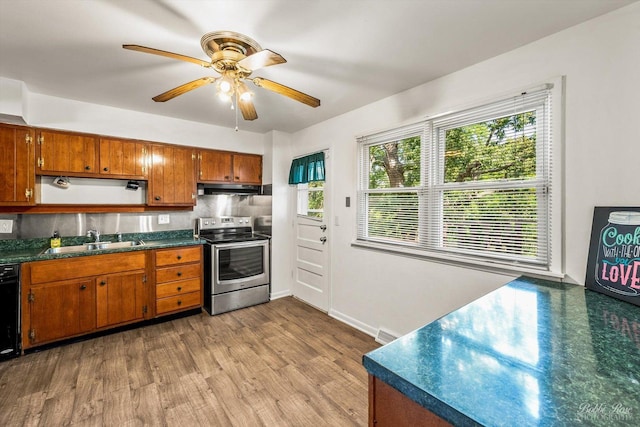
(601, 62)
(11, 97)
(58, 113)
(282, 225)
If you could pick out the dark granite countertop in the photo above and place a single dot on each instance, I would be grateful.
(531, 353)
(18, 251)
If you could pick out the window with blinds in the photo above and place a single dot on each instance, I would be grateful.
(471, 184)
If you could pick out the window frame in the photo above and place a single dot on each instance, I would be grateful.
(302, 199)
(432, 188)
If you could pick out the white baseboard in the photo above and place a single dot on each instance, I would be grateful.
(369, 330)
(281, 294)
(385, 336)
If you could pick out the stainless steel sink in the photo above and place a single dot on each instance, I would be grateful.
(92, 247)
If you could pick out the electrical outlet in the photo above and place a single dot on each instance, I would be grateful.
(6, 225)
(164, 219)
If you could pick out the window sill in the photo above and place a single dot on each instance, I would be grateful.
(460, 261)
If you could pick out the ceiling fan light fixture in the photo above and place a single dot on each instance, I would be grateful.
(225, 85)
(244, 94)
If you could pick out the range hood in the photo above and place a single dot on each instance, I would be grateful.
(229, 189)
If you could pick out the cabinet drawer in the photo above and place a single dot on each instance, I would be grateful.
(86, 266)
(178, 302)
(177, 288)
(182, 255)
(181, 272)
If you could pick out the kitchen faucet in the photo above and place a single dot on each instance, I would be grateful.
(95, 234)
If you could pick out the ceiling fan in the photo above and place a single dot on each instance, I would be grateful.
(235, 57)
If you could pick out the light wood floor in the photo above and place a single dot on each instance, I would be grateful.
(277, 364)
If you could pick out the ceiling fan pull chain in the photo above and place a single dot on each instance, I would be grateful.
(236, 102)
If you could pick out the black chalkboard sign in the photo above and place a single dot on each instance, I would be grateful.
(613, 266)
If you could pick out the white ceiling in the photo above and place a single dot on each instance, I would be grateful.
(348, 53)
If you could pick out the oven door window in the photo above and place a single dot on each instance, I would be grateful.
(240, 263)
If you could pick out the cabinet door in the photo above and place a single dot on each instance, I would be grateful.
(214, 166)
(247, 168)
(123, 158)
(66, 153)
(172, 176)
(61, 309)
(120, 298)
(17, 163)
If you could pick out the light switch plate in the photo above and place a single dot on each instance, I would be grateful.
(6, 225)
(164, 219)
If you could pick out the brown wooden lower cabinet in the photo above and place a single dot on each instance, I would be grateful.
(59, 310)
(65, 298)
(178, 278)
(390, 408)
(120, 298)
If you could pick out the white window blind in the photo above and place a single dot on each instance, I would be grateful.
(471, 184)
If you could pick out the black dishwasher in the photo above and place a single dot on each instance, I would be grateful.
(9, 311)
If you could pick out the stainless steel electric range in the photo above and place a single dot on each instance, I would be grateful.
(236, 263)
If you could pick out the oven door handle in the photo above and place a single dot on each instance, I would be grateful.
(240, 244)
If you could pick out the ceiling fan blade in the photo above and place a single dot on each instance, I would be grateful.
(286, 91)
(170, 94)
(167, 54)
(264, 58)
(248, 110)
(246, 105)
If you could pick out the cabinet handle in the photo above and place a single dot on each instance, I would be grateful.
(226, 177)
(179, 288)
(83, 287)
(237, 178)
(157, 197)
(179, 257)
(102, 283)
(179, 273)
(88, 168)
(179, 302)
(106, 169)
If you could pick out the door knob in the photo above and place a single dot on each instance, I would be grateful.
(323, 227)
(323, 239)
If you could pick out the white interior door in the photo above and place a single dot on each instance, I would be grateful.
(311, 274)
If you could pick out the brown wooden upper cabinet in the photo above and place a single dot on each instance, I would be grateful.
(121, 158)
(214, 166)
(172, 179)
(247, 168)
(17, 174)
(72, 154)
(223, 166)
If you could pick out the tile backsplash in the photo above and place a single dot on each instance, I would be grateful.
(29, 226)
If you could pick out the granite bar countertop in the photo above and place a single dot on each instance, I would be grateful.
(531, 353)
(25, 250)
